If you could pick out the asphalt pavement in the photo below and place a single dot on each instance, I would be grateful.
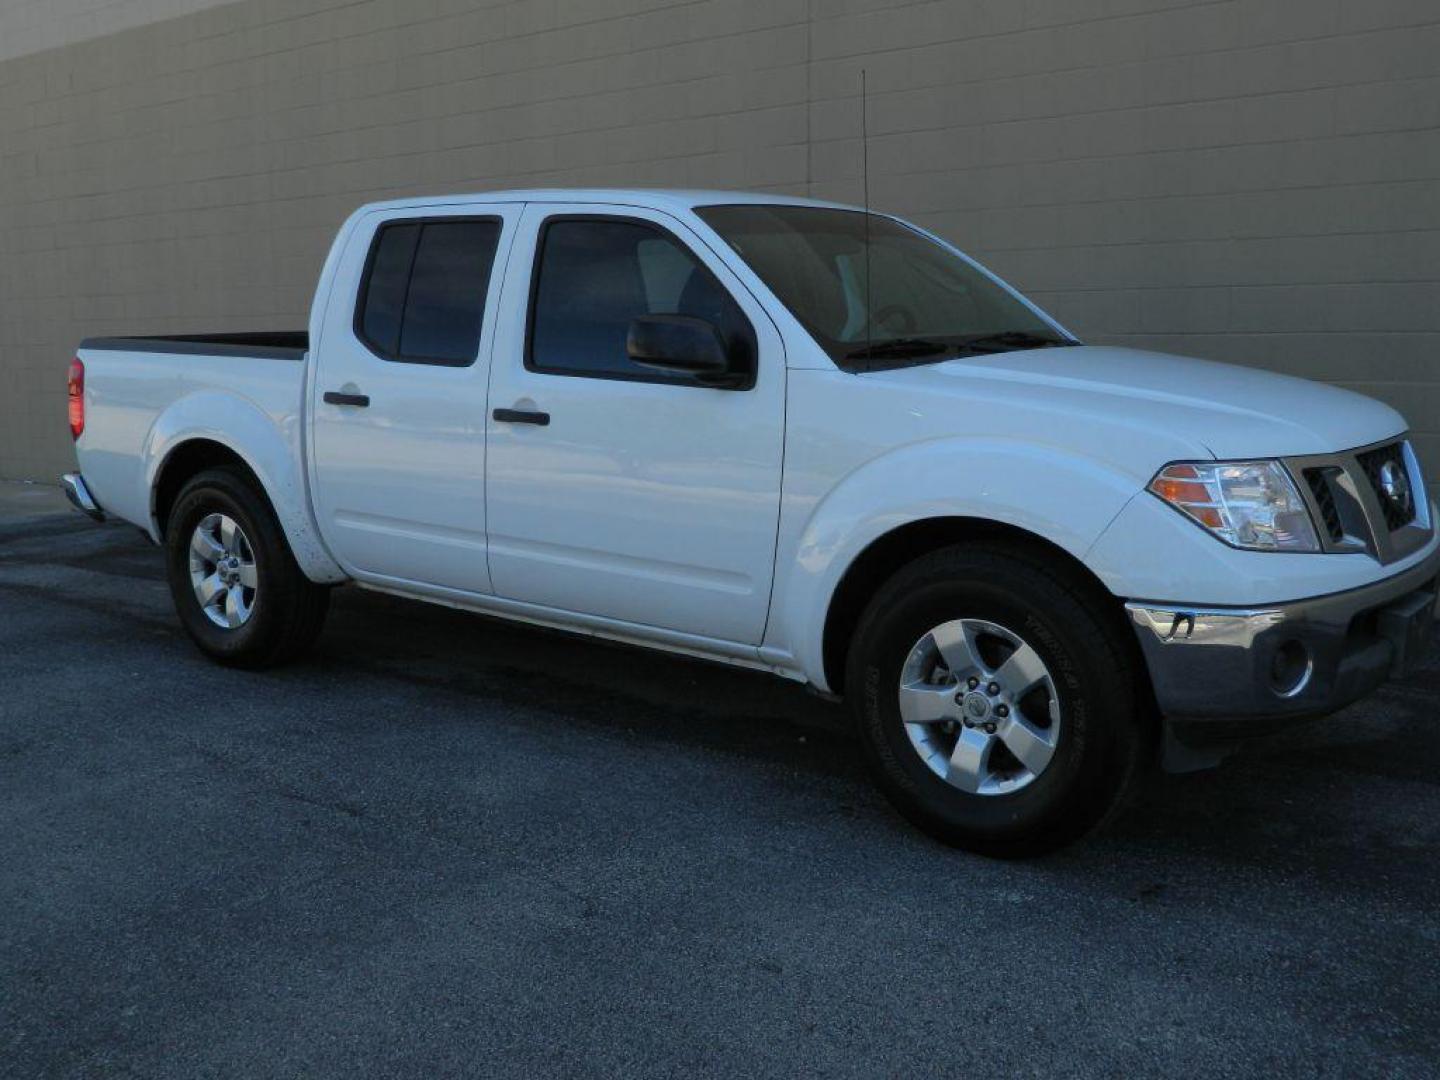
(449, 846)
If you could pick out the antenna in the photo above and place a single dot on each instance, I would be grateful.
(865, 194)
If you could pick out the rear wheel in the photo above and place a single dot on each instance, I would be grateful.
(997, 699)
(237, 588)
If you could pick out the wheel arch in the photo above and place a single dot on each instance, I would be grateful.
(185, 461)
(181, 454)
(889, 552)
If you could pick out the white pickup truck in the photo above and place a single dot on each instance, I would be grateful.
(786, 435)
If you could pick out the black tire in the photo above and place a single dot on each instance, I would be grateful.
(1104, 731)
(289, 609)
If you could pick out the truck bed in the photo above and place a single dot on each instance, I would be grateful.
(147, 394)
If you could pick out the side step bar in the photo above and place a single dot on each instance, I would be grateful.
(79, 496)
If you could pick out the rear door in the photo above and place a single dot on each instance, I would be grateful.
(399, 392)
(615, 490)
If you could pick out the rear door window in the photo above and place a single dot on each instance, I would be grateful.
(422, 298)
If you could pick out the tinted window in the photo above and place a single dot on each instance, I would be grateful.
(424, 297)
(817, 261)
(593, 277)
(393, 252)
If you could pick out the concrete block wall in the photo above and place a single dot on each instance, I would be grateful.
(1252, 180)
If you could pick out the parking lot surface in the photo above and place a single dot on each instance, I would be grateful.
(445, 845)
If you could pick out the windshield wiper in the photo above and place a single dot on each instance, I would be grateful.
(898, 348)
(1009, 339)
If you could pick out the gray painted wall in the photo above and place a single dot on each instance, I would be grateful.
(1253, 180)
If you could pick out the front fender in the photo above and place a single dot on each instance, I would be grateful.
(270, 450)
(1064, 498)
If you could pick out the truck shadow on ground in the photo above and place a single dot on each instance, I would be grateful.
(585, 681)
(1291, 799)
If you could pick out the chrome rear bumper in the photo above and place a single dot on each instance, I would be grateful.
(1220, 673)
(79, 496)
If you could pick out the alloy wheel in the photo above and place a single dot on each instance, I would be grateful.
(980, 707)
(222, 571)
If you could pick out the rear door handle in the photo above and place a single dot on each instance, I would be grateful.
(521, 416)
(335, 397)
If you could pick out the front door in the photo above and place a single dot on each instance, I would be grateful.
(398, 395)
(615, 490)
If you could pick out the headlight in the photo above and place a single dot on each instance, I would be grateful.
(1248, 504)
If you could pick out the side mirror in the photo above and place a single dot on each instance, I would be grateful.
(682, 344)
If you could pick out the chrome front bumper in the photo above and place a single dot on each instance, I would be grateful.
(1219, 673)
(79, 496)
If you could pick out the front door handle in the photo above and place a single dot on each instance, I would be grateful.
(521, 416)
(336, 397)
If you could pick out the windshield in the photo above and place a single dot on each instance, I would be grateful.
(923, 303)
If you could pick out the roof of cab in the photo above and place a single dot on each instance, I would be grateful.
(671, 199)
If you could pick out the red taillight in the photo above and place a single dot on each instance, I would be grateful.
(77, 398)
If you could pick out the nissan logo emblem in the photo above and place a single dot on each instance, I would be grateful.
(1396, 485)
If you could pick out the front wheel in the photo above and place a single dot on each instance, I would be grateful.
(237, 588)
(997, 700)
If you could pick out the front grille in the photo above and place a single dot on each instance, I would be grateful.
(1398, 512)
(1366, 500)
(1319, 481)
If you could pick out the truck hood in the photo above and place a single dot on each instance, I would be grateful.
(1218, 410)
